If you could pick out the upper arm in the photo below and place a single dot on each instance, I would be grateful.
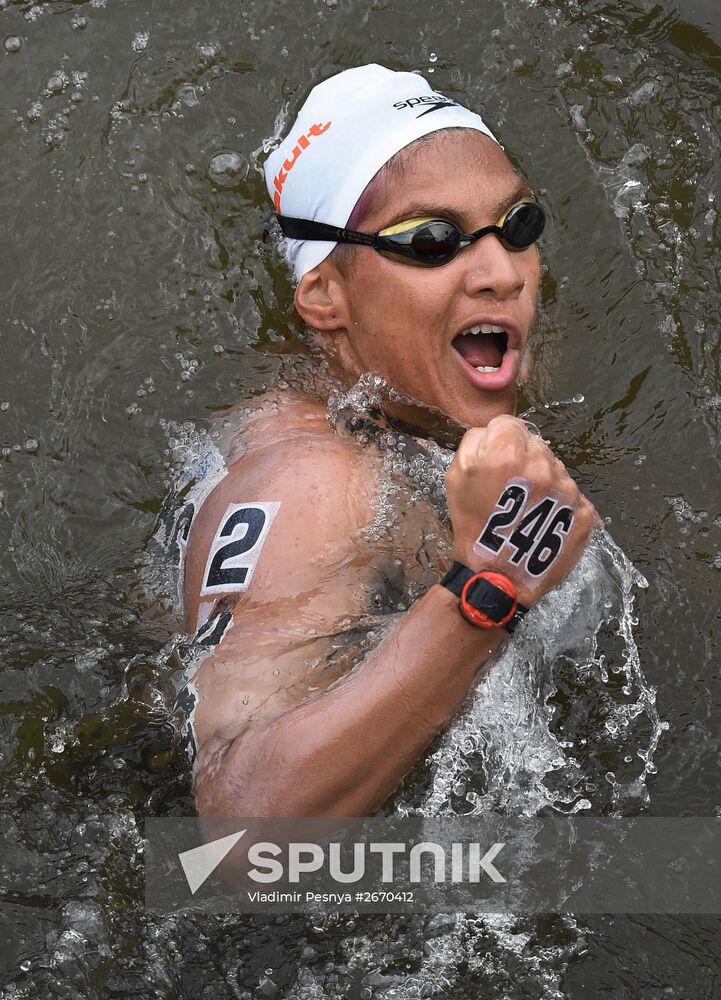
(307, 574)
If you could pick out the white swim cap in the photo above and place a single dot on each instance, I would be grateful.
(350, 126)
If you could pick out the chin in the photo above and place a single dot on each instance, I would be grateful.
(481, 414)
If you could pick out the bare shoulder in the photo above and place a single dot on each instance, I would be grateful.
(298, 497)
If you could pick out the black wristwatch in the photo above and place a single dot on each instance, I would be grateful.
(486, 599)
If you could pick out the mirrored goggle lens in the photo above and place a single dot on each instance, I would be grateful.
(434, 242)
(523, 225)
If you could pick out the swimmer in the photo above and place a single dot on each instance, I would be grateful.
(413, 242)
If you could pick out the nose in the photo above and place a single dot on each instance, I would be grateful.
(492, 270)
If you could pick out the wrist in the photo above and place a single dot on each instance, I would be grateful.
(494, 637)
(478, 564)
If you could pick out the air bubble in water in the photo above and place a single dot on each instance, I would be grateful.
(56, 83)
(12, 43)
(208, 52)
(79, 22)
(31, 445)
(227, 170)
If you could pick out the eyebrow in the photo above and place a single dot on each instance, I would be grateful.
(428, 209)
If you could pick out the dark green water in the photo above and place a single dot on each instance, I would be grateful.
(138, 300)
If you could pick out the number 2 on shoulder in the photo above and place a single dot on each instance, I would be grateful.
(236, 547)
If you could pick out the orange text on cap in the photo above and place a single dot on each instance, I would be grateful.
(302, 143)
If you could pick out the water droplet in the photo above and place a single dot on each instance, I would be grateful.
(227, 170)
(79, 22)
(25, 966)
(13, 43)
(4, 405)
(432, 57)
(218, 349)
(31, 445)
(56, 84)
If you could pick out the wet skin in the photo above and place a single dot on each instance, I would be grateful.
(281, 729)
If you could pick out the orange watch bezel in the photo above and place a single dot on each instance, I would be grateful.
(478, 618)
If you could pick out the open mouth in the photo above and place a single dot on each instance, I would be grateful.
(483, 347)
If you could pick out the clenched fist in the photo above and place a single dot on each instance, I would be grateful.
(515, 509)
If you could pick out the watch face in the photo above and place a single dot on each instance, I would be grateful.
(488, 600)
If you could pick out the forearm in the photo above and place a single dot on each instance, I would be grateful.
(345, 751)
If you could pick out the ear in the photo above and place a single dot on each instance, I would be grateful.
(320, 299)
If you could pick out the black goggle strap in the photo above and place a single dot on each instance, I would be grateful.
(306, 229)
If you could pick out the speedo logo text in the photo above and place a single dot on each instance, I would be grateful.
(434, 100)
(302, 143)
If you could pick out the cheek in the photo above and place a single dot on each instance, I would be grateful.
(395, 299)
(533, 273)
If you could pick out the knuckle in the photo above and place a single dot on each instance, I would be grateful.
(540, 473)
(507, 427)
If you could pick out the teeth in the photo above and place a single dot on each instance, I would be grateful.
(487, 368)
(485, 328)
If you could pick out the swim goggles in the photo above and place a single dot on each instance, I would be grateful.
(427, 242)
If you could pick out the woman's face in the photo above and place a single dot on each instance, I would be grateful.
(411, 324)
